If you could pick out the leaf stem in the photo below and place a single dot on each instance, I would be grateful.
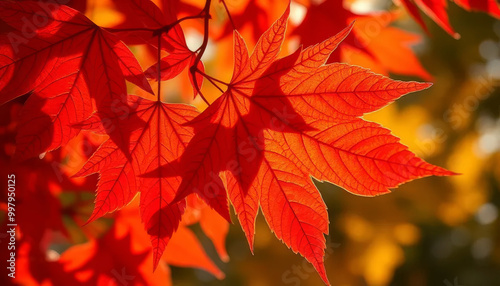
(113, 30)
(228, 14)
(167, 28)
(212, 81)
(159, 67)
(159, 31)
(206, 14)
(211, 77)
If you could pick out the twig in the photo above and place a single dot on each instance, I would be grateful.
(159, 67)
(113, 30)
(203, 47)
(228, 14)
(212, 78)
(167, 28)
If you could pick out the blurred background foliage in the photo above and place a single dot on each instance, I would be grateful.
(432, 231)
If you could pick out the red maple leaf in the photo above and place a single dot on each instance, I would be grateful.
(489, 6)
(437, 11)
(121, 256)
(283, 120)
(116, 258)
(65, 62)
(145, 13)
(254, 15)
(373, 43)
(40, 189)
(40, 184)
(110, 260)
(184, 249)
(80, 5)
(157, 137)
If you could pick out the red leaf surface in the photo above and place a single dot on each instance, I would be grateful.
(489, 6)
(118, 257)
(283, 120)
(107, 261)
(146, 13)
(437, 11)
(254, 15)
(148, 123)
(65, 62)
(373, 43)
(184, 249)
(173, 64)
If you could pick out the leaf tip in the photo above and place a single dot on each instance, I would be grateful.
(157, 254)
(250, 243)
(96, 214)
(225, 258)
(414, 86)
(79, 174)
(220, 275)
(91, 219)
(445, 172)
(322, 273)
(156, 260)
(149, 89)
(251, 248)
(225, 214)
(426, 85)
(286, 14)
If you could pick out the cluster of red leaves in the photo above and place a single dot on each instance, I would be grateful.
(279, 122)
(50, 205)
(373, 43)
(437, 11)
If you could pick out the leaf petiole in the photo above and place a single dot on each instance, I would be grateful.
(228, 14)
(167, 28)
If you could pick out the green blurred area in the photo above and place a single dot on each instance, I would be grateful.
(432, 231)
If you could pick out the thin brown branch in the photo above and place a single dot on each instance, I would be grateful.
(159, 67)
(228, 14)
(167, 28)
(203, 47)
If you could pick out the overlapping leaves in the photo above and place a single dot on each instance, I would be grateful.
(280, 121)
(437, 10)
(69, 66)
(283, 120)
